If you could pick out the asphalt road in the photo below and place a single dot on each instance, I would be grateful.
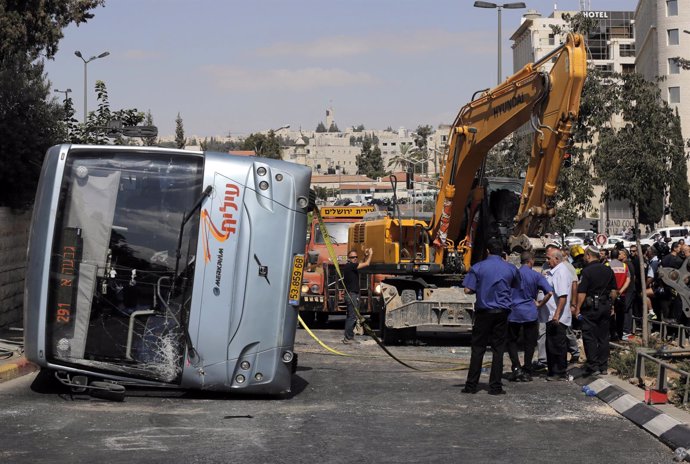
(341, 410)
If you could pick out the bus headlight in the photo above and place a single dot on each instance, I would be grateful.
(305, 288)
(377, 289)
(315, 288)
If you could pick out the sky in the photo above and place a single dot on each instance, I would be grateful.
(236, 67)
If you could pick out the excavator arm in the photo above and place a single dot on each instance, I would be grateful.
(550, 99)
(546, 93)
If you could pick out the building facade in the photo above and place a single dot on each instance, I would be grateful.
(663, 34)
(611, 46)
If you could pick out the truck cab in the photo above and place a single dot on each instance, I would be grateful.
(322, 291)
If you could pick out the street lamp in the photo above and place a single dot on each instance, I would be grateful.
(66, 92)
(78, 53)
(510, 6)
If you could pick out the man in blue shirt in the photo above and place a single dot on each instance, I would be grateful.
(524, 316)
(493, 281)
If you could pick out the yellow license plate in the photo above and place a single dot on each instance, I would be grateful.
(296, 280)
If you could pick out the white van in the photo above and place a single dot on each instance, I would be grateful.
(674, 233)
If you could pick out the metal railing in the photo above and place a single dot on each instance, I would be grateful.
(661, 380)
(680, 334)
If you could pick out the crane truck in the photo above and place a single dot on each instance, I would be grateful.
(426, 260)
(323, 293)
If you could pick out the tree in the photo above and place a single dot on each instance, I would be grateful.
(179, 132)
(32, 28)
(266, 146)
(148, 121)
(103, 126)
(370, 161)
(30, 123)
(359, 128)
(321, 127)
(333, 128)
(632, 161)
(682, 62)
(30, 119)
(400, 160)
(679, 191)
(510, 156)
(423, 133)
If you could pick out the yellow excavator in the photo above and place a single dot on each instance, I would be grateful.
(426, 260)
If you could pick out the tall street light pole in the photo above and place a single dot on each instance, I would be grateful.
(510, 6)
(78, 53)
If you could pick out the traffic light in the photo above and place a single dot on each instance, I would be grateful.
(567, 160)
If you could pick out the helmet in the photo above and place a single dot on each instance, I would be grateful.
(576, 250)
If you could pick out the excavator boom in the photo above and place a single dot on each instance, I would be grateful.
(547, 93)
(550, 99)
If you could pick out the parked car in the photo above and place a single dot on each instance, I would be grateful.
(571, 240)
(612, 240)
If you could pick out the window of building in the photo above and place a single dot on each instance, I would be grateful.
(627, 68)
(673, 67)
(673, 37)
(393, 144)
(671, 7)
(674, 94)
(552, 39)
(627, 50)
(623, 31)
(604, 68)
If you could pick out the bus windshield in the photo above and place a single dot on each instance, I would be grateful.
(114, 257)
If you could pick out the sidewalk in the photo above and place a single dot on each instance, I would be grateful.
(668, 423)
(16, 365)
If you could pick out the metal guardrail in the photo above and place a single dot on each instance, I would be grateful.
(680, 334)
(661, 382)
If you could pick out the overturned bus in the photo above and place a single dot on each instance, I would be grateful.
(169, 268)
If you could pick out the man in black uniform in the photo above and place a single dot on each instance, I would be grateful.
(595, 295)
(350, 272)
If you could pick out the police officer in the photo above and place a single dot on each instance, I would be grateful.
(595, 295)
(493, 281)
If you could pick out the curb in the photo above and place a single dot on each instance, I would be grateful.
(16, 368)
(668, 430)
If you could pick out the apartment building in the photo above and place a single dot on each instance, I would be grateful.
(662, 34)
